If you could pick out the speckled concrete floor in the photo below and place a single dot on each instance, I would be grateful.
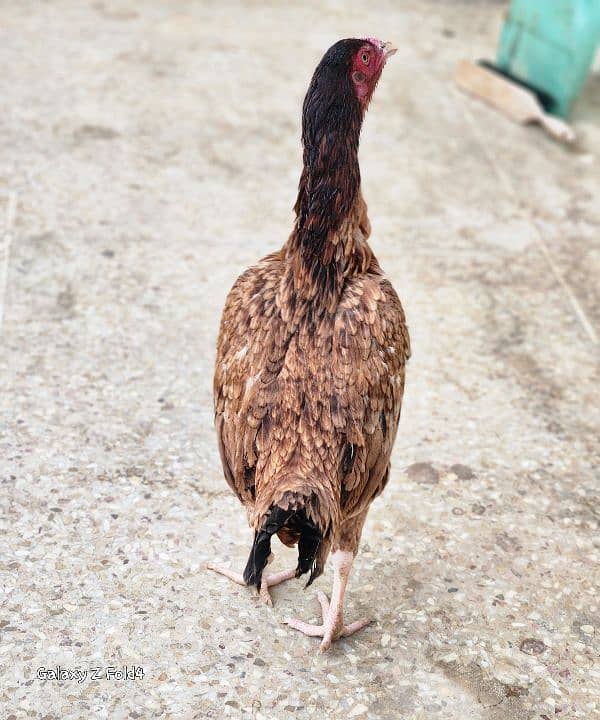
(152, 150)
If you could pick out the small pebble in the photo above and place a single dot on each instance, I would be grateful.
(531, 646)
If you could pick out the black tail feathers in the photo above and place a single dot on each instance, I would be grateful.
(308, 545)
(261, 548)
(310, 538)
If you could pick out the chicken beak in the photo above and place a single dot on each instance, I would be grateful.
(388, 50)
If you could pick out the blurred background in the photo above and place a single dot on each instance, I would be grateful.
(149, 153)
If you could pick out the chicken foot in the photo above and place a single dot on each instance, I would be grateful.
(266, 582)
(333, 626)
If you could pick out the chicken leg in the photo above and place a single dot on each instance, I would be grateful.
(266, 582)
(333, 626)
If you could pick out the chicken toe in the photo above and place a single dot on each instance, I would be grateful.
(228, 572)
(270, 580)
(333, 626)
(266, 582)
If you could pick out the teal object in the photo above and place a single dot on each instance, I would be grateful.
(550, 45)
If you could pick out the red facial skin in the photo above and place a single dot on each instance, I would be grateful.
(366, 69)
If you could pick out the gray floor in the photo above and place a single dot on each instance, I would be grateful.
(152, 153)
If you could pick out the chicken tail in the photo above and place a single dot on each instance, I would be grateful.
(295, 523)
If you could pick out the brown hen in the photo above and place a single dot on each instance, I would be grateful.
(311, 354)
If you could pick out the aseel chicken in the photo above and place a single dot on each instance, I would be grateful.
(311, 357)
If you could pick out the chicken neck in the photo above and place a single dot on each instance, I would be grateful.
(328, 242)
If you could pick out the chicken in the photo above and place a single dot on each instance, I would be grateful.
(311, 356)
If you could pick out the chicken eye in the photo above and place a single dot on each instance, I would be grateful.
(365, 57)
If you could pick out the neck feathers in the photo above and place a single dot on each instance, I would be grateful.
(325, 245)
(330, 181)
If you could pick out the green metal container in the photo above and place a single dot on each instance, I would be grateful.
(550, 46)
